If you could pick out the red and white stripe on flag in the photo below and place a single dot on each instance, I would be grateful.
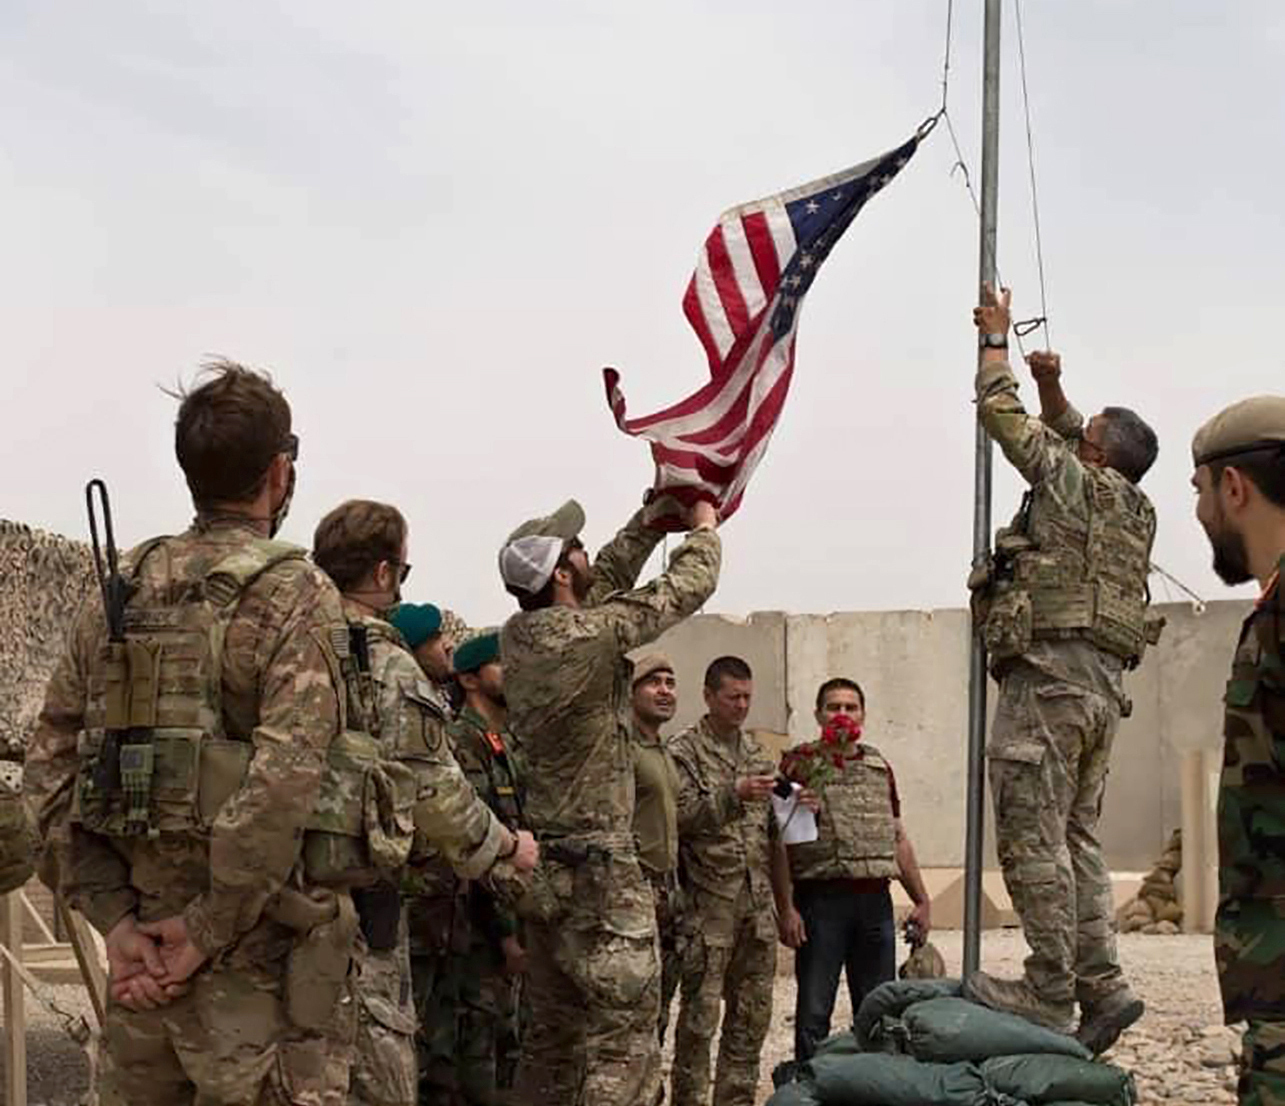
(743, 302)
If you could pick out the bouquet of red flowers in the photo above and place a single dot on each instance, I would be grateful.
(815, 763)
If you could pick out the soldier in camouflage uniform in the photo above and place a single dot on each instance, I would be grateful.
(839, 917)
(227, 965)
(732, 866)
(362, 546)
(654, 702)
(593, 977)
(1239, 460)
(487, 977)
(436, 897)
(1064, 614)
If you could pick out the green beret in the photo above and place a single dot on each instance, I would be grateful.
(1249, 426)
(477, 651)
(417, 622)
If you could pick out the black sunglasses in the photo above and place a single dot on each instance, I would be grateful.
(291, 447)
(401, 579)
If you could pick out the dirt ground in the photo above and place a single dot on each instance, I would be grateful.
(1178, 1052)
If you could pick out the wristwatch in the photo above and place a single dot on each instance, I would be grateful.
(993, 341)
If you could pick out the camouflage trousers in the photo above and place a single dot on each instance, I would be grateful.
(593, 987)
(383, 1070)
(668, 898)
(730, 958)
(1262, 1065)
(469, 1026)
(227, 1042)
(1048, 756)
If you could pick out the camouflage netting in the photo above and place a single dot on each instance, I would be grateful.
(43, 580)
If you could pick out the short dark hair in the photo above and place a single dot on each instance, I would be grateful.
(353, 538)
(733, 668)
(1129, 443)
(836, 683)
(228, 431)
(1264, 468)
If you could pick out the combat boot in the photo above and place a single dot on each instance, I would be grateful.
(1102, 1022)
(1017, 996)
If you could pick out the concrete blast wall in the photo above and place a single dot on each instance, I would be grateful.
(913, 666)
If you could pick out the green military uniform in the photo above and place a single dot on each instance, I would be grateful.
(729, 917)
(591, 940)
(451, 827)
(486, 996)
(214, 830)
(656, 833)
(1249, 930)
(1065, 618)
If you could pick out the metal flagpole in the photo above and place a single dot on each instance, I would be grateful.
(981, 511)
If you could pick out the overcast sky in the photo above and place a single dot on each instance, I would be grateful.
(436, 223)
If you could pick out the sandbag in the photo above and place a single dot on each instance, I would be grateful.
(945, 1030)
(838, 1044)
(1045, 1080)
(794, 1094)
(876, 1079)
(890, 999)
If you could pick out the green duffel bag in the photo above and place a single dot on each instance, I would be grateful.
(794, 1094)
(888, 1000)
(945, 1030)
(839, 1044)
(1046, 1080)
(877, 1079)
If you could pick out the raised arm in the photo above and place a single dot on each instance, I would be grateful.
(643, 614)
(1036, 447)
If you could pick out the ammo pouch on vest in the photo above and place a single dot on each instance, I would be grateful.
(379, 911)
(362, 826)
(1007, 630)
(319, 962)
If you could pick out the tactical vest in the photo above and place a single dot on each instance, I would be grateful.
(856, 829)
(155, 756)
(1059, 576)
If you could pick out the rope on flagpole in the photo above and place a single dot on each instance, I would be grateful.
(1197, 603)
(1024, 327)
(1030, 164)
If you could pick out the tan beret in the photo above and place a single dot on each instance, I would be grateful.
(651, 663)
(1252, 424)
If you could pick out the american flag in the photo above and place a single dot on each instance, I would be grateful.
(743, 302)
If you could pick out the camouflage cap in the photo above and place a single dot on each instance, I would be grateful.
(565, 523)
(1251, 425)
(476, 652)
(649, 664)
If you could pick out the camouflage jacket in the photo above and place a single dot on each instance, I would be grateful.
(726, 851)
(278, 693)
(1063, 491)
(496, 774)
(566, 678)
(451, 820)
(1250, 932)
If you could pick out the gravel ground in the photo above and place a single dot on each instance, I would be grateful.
(1179, 1052)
